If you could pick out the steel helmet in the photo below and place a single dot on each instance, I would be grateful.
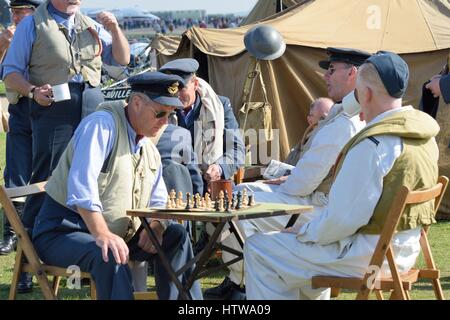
(264, 42)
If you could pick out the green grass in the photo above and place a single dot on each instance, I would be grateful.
(439, 238)
(2, 88)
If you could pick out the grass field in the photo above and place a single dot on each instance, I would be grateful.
(439, 238)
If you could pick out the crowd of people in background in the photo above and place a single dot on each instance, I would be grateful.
(167, 26)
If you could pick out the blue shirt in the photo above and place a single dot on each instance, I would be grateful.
(92, 143)
(19, 53)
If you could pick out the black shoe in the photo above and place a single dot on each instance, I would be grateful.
(227, 290)
(8, 245)
(25, 283)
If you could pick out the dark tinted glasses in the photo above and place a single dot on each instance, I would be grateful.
(162, 114)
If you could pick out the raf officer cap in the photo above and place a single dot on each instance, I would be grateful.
(393, 72)
(161, 88)
(24, 3)
(352, 56)
(185, 67)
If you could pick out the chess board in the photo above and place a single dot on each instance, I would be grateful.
(179, 202)
(205, 209)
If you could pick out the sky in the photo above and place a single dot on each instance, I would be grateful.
(211, 6)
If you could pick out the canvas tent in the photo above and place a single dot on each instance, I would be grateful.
(267, 8)
(419, 30)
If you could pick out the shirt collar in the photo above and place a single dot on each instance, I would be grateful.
(383, 115)
(136, 141)
(53, 11)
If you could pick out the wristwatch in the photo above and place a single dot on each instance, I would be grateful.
(31, 93)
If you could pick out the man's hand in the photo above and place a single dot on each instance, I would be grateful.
(7, 35)
(277, 181)
(434, 87)
(110, 241)
(213, 173)
(144, 241)
(108, 20)
(43, 95)
(293, 229)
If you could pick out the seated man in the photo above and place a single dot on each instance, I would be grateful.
(396, 148)
(211, 121)
(180, 164)
(318, 111)
(108, 167)
(310, 180)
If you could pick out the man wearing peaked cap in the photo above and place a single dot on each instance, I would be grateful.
(207, 114)
(310, 181)
(110, 166)
(396, 148)
(222, 148)
(351, 56)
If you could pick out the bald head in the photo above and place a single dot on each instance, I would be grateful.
(319, 110)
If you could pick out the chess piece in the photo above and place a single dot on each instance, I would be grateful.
(216, 205)
(196, 201)
(203, 202)
(179, 201)
(169, 204)
(227, 205)
(207, 200)
(251, 200)
(188, 201)
(244, 197)
(233, 200)
(239, 201)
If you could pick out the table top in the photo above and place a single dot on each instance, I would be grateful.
(260, 210)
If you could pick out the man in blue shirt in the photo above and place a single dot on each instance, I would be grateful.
(18, 139)
(110, 166)
(59, 45)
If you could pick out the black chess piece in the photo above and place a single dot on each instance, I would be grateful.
(250, 200)
(216, 205)
(227, 205)
(188, 201)
(239, 201)
(195, 202)
(233, 201)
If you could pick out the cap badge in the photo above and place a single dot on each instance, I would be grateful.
(173, 89)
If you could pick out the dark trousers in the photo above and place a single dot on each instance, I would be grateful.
(18, 151)
(61, 239)
(52, 128)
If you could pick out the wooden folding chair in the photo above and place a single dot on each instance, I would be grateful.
(398, 284)
(27, 259)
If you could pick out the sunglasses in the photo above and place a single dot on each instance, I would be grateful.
(162, 114)
(331, 70)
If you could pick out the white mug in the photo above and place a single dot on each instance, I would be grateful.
(61, 92)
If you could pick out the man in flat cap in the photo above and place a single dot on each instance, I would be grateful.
(397, 147)
(18, 139)
(310, 181)
(109, 166)
(211, 121)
